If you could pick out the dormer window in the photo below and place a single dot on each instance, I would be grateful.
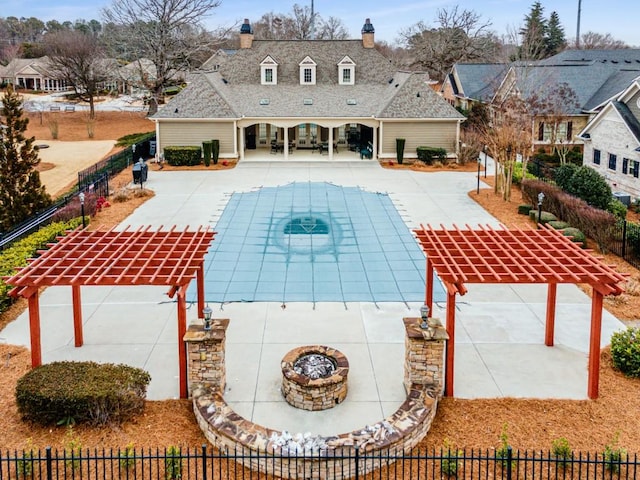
(346, 71)
(269, 71)
(307, 71)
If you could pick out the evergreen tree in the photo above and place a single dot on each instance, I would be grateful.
(555, 38)
(21, 193)
(534, 33)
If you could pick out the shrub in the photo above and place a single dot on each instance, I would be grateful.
(613, 454)
(400, 150)
(562, 451)
(563, 175)
(207, 148)
(504, 450)
(517, 174)
(215, 150)
(73, 209)
(429, 154)
(173, 463)
(576, 235)
(558, 224)
(134, 138)
(625, 351)
(590, 186)
(545, 217)
(93, 393)
(617, 208)
(179, 156)
(524, 209)
(450, 460)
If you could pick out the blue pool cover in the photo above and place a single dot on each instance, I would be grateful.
(313, 242)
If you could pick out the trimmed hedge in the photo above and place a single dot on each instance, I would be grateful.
(545, 217)
(524, 209)
(429, 154)
(595, 223)
(181, 156)
(18, 254)
(558, 224)
(81, 392)
(576, 235)
(625, 351)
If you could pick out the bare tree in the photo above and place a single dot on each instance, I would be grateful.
(78, 59)
(460, 36)
(599, 41)
(508, 138)
(166, 32)
(332, 29)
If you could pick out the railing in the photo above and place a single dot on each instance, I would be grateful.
(32, 224)
(624, 241)
(351, 462)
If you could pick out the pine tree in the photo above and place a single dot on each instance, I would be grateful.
(21, 193)
(534, 32)
(555, 38)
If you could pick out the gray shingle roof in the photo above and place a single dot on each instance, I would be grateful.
(479, 81)
(619, 57)
(628, 117)
(235, 89)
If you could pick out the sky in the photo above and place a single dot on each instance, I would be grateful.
(617, 17)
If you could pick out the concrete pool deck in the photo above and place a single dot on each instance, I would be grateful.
(500, 336)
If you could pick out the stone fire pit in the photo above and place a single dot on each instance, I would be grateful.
(314, 377)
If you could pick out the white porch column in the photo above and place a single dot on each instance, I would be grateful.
(285, 147)
(241, 141)
(374, 154)
(330, 146)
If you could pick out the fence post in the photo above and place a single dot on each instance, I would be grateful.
(509, 459)
(357, 477)
(204, 461)
(624, 240)
(48, 458)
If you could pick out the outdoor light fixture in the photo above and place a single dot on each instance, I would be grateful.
(485, 160)
(478, 187)
(81, 198)
(424, 315)
(540, 200)
(206, 312)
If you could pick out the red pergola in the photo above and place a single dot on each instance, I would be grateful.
(488, 255)
(116, 258)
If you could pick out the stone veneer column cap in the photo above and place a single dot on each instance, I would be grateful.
(197, 333)
(414, 331)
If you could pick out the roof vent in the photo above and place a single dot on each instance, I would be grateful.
(351, 101)
(307, 101)
(264, 101)
(224, 80)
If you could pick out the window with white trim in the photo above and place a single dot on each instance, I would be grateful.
(307, 71)
(596, 156)
(269, 71)
(346, 71)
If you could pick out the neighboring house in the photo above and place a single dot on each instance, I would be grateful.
(471, 83)
(305, 93)
(31, 74)
(594, 77)
(612, 141)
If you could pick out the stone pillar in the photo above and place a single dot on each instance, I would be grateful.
(424, 354)
(205, 355)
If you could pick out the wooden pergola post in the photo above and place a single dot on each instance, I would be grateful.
(550, 323)
(200, 289)
(34, 329)
(77, 316)
(182, 349)
(429, 288)
(451, 331)
(594, 344)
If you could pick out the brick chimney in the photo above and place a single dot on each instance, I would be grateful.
(368, 34)
(246, 34)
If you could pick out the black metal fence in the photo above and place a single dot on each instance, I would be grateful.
(94, 179)
(624, 241)
(204, 464)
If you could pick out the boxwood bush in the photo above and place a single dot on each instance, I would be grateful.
(180, 156)
(429, 154)
(625, 350)
(576, 235)
(76, 392)
(545, 217)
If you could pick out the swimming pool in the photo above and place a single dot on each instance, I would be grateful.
(313, 242)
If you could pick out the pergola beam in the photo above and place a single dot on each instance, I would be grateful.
(489, 255)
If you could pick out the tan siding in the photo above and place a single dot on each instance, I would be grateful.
(427, 134)
(194, 133)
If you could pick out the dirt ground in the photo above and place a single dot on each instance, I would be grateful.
(530, 424)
